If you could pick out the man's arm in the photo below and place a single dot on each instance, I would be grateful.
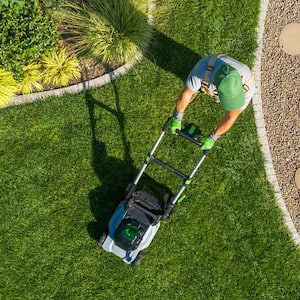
(184, 99)
(225, 124)
(227, 121)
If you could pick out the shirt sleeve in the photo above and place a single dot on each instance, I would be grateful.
(195, 77)
(193, 81)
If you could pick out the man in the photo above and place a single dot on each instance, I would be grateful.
(229, 81)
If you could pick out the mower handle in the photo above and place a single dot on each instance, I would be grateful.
(184, 135)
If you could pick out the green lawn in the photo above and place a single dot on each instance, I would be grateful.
(65, 162)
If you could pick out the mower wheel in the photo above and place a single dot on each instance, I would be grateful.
(137, 260)
(101, 239)
(168, 212)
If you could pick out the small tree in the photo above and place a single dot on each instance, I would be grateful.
(26, 34)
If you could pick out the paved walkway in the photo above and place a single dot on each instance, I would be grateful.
(276, 105)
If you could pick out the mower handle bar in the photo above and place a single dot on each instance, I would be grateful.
(151, 157)
(184, 135)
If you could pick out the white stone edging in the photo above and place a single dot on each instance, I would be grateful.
(261, 129)
(76, 88)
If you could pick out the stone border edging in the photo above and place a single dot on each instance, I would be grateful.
(76, 88)
(261, 129)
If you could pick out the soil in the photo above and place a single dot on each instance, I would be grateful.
(91, 70)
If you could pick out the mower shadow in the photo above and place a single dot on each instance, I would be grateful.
(114, 174)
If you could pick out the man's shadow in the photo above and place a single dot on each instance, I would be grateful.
(171, 56)
(113, 173)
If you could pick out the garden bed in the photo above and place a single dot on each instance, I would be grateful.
(92, 38)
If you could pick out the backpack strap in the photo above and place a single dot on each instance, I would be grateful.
(248, 84)
(208, 70)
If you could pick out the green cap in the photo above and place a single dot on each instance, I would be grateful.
(230, 87)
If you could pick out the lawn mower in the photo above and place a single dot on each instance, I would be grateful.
(137, 218)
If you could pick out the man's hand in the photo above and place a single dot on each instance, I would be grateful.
(207, 143)
(174, 124)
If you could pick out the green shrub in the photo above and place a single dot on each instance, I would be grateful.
(8, 87)
(60, 68)
(32, 77)
(110, 31)
(26, 34)
(10, 3)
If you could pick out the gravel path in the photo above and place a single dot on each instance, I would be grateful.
(280, 93)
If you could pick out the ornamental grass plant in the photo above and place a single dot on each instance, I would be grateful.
(8, 87)
(60, 67)
(32, 78)
(110, 31)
